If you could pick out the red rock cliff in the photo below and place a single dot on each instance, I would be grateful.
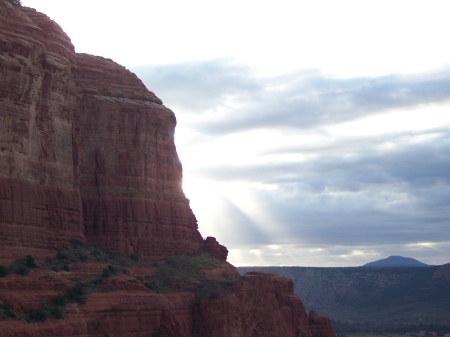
(130, 174)
(259, 305)
(40, 205)
(86, 151)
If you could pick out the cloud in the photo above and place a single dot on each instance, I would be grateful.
(334, 166)
(418, 164)
(299, 100)
(197, 86)
(308, 99)
(392, 197)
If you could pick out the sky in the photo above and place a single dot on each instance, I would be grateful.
(312, 133)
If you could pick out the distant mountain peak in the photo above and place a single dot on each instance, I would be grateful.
(396, 261)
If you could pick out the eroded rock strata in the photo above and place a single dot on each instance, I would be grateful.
(40, 205)
(129, 171)
(86, 150)
(87, 153)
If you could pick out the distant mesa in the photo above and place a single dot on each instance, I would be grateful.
(396, 261)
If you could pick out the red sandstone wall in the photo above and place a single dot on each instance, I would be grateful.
(130, 174)
(260, 305)
(85, 149)
(40, 206)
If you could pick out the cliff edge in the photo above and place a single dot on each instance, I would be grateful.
(96, 235)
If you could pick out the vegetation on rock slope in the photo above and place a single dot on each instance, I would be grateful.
(172, 273)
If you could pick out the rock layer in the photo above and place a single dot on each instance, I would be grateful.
(256, 305)
(124, 308)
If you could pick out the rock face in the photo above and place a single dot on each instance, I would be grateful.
(215, 249)
(260, 305)
(126, 309)
(129, 171)
(256, 305)
(320, 325)
(88, 153)
(40, 205)
(86, 150)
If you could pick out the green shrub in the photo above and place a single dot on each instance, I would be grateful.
(75, 294)
(152, 287)
(22, 266)
(134, 257)
(6, 311)
(43, 314)
(37, 315)
(59, 300)
(55, 312)
(62, 256)
(3, 271)
(29, 262)
(177, 272)
(19, 267)
(109, 271)
(47, 262)
(83, 258)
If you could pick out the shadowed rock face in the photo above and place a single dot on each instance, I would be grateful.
(260, 305)
(130, 174)
(87, 152)
(257, 305)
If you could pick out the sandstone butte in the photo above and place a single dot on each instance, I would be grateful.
(87, 153)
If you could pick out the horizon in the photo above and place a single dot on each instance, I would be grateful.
(310, 133)
(363, 265)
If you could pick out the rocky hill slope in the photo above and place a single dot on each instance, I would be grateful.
(390, 296)
(96, 235)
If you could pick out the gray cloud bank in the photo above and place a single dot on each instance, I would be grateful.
(353, 192)
(300, 100)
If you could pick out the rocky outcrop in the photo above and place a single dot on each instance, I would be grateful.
(215, 249)
(320, 325)
(130, 174)
(88, 153)
(260, 305)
